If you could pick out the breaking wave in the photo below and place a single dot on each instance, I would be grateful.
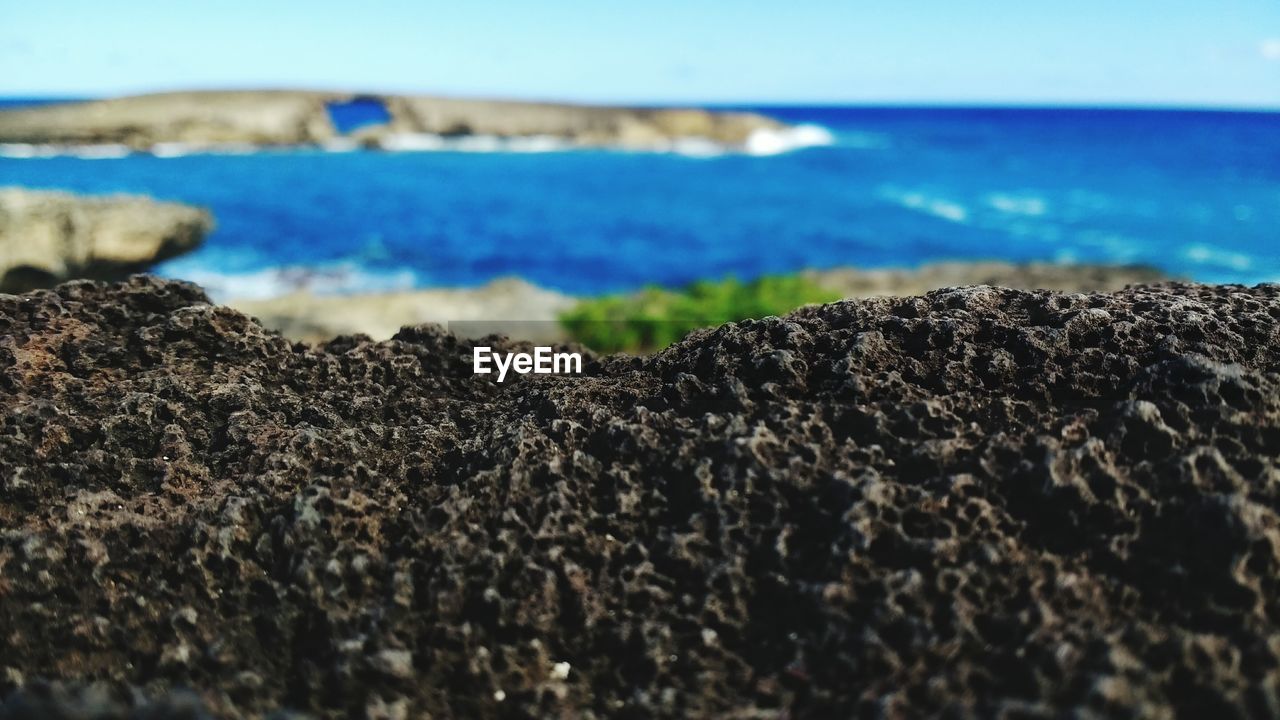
(276, 281)
(23, 151)
(777, 142)
(935, 206)
(761, 143)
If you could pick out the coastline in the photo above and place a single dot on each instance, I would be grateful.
(525, 311)
(234, 121)
(509, 305)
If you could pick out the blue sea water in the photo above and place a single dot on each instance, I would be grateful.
(357, 113)
(1194, 193)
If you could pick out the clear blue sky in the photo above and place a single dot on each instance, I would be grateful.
(1179, 52)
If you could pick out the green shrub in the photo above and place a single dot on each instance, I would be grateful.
(655, 317)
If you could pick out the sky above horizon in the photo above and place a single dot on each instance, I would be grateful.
(1092, 52)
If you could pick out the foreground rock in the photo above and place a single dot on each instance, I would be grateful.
(981, 502)
(524, 311)
(266, 118)
(48, 237)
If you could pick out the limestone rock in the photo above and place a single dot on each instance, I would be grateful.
(48, 237)
(508, 306)
(265, 118)
(867, 282)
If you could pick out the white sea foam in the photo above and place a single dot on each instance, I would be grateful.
(1114, 247)
(1206, 255)
(759, 143)
(412, 142)
(114, 151)
(1028, 205)
(938, 207)
(172, 149)
(26, 151)
(277, 281)
(775, 142)
(475, 143)
(101, 152)
(183, 149)
(427, 142)
(698, 148)
(340, 145)
(537, 144)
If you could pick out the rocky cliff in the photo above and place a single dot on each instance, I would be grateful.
(976, 503)
(48, 237)
(301, 118)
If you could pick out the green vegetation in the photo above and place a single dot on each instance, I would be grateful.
(655, 317)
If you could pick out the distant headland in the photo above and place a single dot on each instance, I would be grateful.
(271, 118)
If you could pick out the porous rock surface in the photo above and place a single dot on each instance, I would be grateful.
(980, 502)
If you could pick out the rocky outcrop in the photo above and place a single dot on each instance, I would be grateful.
(48, 237)
(507, 306)
(583, 124)
(265, 118)
(1073, 278)
(976, 503)
(142, 121)
(521, 310)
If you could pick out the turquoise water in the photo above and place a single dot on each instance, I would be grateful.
(1194, 193)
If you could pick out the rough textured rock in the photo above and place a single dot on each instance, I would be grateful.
(48, 237)
(980, 502)
(300, 118)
